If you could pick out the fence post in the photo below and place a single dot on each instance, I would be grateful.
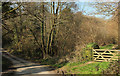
(91, 54)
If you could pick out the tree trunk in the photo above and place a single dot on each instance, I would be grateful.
(42, 31)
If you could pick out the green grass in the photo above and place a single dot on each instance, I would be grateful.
(93, 68)
(90, 45)
(75, 63)
(107, 46)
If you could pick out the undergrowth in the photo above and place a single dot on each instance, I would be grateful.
(107, 46)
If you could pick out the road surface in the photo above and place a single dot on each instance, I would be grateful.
(26, 68)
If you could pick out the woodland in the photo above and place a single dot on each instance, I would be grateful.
(53, 33)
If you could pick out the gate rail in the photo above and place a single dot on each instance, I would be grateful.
(106, 55)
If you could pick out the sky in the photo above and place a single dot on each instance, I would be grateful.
(88, 10)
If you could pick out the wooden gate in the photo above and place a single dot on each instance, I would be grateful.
(105, 55)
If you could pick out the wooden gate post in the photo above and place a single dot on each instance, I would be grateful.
(91, 54)
(106, 55)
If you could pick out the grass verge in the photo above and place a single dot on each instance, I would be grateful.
(82, 68)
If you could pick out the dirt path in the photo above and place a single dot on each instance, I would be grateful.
(86, 63)
(25, 68)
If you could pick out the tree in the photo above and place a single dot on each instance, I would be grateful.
(7, 13)
(39, 24)
(109, 9)
(54, 18)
